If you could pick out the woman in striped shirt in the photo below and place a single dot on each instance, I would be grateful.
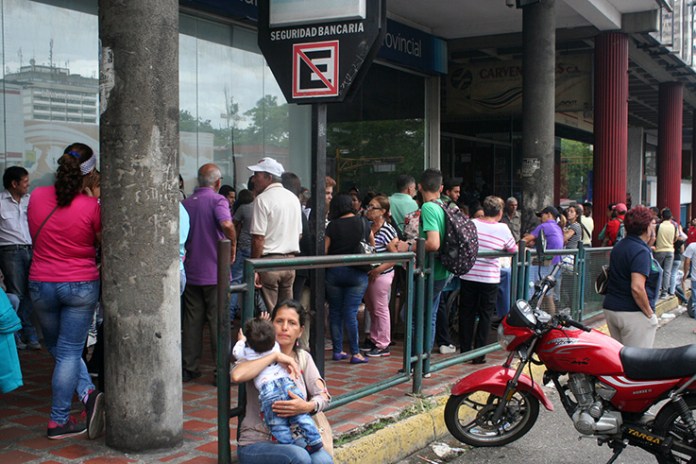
(380, 278)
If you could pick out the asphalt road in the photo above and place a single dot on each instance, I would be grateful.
(553, 439)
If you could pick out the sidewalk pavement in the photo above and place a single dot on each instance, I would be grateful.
(24, 415)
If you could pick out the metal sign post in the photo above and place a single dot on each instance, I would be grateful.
(318, 51)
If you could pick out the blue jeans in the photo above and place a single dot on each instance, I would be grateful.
(277, 390)
(15, 263)
(665, 260)
(237, 275)
(65, 311)
(438, 285)
(676, 264)
(266, 452)
(345, 287)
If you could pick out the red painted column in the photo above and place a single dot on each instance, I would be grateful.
(669, 146)
(610, 123)
(693, 167)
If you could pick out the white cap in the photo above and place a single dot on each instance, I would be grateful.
(268, 165)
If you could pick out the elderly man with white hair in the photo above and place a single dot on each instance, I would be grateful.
(512, 218)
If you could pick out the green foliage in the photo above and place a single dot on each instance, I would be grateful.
(361, 148)
(576, 164)
(189, 123)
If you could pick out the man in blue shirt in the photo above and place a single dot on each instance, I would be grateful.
(554, 241)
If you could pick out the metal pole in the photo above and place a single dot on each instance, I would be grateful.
(224, 251)
(419, 309)
(429, 309)
(318, 226)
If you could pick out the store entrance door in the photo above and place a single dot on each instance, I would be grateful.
(484, 164)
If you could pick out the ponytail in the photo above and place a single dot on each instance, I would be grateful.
(69, 176)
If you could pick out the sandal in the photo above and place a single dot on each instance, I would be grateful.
(340, 356)
(358, 359)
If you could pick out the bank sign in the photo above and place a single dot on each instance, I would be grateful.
(318, 50)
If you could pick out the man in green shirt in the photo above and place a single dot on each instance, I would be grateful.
(402, 203)
(432, 229)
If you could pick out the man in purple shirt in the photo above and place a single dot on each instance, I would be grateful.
(554, 241)
(209, 216)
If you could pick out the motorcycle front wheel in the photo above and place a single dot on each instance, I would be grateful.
(669, 423)
(470, 417)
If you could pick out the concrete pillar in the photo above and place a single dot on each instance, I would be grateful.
(139, 140)
(610, 123)
(634, 166)
(538, 108)
(669, 146)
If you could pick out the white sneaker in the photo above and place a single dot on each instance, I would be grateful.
(448, 349)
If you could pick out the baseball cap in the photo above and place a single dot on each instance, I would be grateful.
(620, 208)
(268, 165)
(549, 209)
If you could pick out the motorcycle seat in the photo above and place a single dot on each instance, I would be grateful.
(658, 363)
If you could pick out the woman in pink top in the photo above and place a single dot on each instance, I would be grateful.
(65, 226)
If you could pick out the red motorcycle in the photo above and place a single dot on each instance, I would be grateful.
(608, 390)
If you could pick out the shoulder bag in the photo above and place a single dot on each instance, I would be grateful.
(38, 231)
(320, 420)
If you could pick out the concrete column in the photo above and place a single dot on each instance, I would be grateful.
(634, 166)
(669, 145)
(538, 108)
(432, 117)
(139, 140)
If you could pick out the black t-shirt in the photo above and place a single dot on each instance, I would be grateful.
(346, 233)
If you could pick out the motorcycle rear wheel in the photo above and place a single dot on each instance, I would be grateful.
(469, 418)
(669, 423)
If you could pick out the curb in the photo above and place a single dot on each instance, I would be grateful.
(398, 440)
(401, 439)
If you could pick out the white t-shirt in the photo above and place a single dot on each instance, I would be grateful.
(690, 252)
(492, 236)
(277, 216)
(275, 371)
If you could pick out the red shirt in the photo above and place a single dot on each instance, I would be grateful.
(691, 235)
(613, 230)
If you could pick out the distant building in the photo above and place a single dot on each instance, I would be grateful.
(50, 93)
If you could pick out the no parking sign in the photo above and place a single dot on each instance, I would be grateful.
(318, 50)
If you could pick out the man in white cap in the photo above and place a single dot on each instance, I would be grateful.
(276, 226)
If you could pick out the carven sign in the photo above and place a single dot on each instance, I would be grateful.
(319, 50)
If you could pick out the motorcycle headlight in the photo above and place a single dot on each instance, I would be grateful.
(504, 339)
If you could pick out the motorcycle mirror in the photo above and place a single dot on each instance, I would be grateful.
(540, 244)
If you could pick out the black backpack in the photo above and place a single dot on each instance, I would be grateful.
(459, 247)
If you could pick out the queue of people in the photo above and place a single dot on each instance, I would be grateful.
(268, 221)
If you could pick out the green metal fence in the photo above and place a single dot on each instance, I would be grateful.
(579, 272)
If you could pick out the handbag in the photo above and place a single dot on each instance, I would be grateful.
(364, 245)
(320, 420)
(602, 281)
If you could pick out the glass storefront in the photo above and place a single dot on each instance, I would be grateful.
(232, 111)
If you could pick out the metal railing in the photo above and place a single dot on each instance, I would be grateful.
(582, 268)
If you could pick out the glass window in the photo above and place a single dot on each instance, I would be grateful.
(232, 111)
(379, 133)
(50, 82)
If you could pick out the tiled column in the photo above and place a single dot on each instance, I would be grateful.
(610, 123)
(669, 146)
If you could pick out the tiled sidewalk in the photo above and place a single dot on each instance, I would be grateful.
(24, 413)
